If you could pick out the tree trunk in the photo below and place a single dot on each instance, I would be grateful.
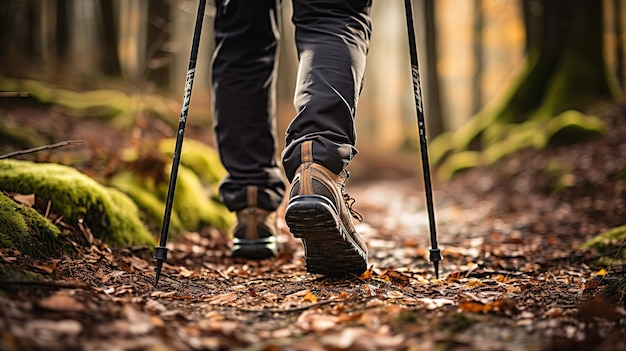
(566, 71)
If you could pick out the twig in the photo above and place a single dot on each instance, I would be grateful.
(41, 148)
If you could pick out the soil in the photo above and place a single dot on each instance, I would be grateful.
(513, 276)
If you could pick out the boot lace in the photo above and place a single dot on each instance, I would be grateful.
(350, 200)
(349, 203)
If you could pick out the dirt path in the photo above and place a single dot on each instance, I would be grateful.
(512, 278)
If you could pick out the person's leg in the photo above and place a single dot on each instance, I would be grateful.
(243, 76)
(332, 37)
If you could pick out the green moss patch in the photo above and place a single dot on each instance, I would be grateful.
(610, 238)
(24, 229)
(195, 204)
(500, 140)
(111, 215)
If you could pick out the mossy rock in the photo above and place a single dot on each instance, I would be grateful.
(24, 229)
(202, 159)
(193, 206)
(500, 140)
(196, 203)
(110, 214)
(610, 238)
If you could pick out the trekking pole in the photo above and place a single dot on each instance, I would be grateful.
(161, 250)
(435, 252)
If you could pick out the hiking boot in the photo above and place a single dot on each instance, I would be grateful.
(320, 213)
(255, 230)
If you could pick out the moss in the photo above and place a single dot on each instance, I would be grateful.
(193, 205)
(12, 224)
(150, 203)
(516, 138)
(26, 230)
(202, 159)
(504, 139)
(17, 272)
(105, 103)
(195, 200)
(572, 126)
(459, 162)
(110, 215)
(610, 238)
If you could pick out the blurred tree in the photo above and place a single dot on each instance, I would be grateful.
(565, 71)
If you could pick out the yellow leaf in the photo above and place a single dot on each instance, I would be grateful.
(367, 274)
(601, 272)
(310, 297)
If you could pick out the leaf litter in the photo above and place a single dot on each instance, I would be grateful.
(512, 278)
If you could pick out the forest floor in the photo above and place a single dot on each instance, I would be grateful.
(513, 277)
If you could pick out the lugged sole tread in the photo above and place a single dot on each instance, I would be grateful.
(329, 249)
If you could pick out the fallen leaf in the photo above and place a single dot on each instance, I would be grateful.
(432, 304)
(155, 306)
(513, 289)
(65, 328)
(367, 274)
(395, 277)
(344, 339)
(452, 277)
(601, 272)
(473, 283)
(501, 305)
(315, 321)
(61, 302)
(222, 298)
(25, 199)
(309, 297)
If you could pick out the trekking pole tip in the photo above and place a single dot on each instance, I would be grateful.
(435, 257)
(159, 264)
(161, 256)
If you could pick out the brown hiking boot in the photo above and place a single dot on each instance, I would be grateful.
(255, 230)
(319, 212)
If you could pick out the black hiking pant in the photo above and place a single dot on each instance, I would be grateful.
(332, 40)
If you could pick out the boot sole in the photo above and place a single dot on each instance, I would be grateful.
(255, 248)
(329, 249)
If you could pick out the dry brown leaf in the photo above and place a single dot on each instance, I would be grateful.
(473, 283)
(395, 277)
(61, 302)
(502, 305)
(344, 339)
(9, 255)
(53, 328)
(432, 304)
(452, 277)
(25, 199)
(222, 298)
(315, 321)
(154, 306)
(47, 267)
(368, 273)
(513, 289)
